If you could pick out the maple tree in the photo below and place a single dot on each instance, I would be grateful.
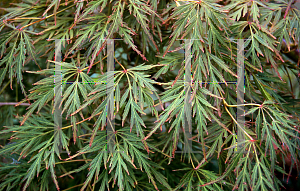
(149, 94)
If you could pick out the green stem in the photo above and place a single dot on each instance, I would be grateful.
(4, 87)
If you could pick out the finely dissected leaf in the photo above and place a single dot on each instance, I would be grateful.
(244, 130)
